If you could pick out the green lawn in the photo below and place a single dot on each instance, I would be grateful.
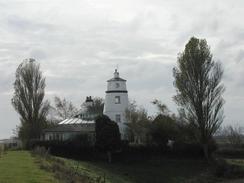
(153, 171)
(20, 167)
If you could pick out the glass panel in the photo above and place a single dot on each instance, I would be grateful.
(117, 99)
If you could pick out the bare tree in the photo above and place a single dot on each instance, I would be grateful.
(138, 124)
(28, 100)
(199, 90)
(65, 109)
(162, 108)
(233, 135)
(164, 125)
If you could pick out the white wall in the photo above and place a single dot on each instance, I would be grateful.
(111, 108)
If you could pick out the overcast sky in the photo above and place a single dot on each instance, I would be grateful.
(79, 43)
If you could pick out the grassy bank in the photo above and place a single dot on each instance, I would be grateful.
(20, 167)
(153, 171)
(166, 170)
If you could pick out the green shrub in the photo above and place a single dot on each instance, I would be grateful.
(107, 134)
(62, 172)
(41, 151)
(163, 128)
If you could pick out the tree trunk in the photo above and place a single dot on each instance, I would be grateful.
(206, 152)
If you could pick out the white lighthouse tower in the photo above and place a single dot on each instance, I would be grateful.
(116, 102)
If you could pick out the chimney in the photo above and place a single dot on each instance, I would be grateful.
(89, 101)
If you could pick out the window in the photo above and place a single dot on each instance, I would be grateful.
(117, 99)
(50, 137)
(117, 118)
(117, 85)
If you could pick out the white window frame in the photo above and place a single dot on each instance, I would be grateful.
(117, 100)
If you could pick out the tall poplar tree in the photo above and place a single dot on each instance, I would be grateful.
(199, 90)
(28, 100)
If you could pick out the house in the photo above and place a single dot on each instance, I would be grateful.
(116, 102)
(82, 123)
(12, 143)
(70, 128)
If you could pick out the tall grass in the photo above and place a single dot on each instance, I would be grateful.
(61, 170)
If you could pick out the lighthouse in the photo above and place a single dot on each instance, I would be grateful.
(116, 102)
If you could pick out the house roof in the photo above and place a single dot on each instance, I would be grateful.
(89, 127)
(73, 125)
(116, 77)
(75, 121)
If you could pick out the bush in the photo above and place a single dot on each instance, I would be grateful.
(163, 128)
(62, 171)
(107, 134)
(66, 149)
(142, 152)
(41, 151)
(126, 153)
(188, 149)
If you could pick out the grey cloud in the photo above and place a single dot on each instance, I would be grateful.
(79, 45)
(240, 56)
(38, 54)
(17, 23)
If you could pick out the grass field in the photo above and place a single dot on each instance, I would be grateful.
(20, 167)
